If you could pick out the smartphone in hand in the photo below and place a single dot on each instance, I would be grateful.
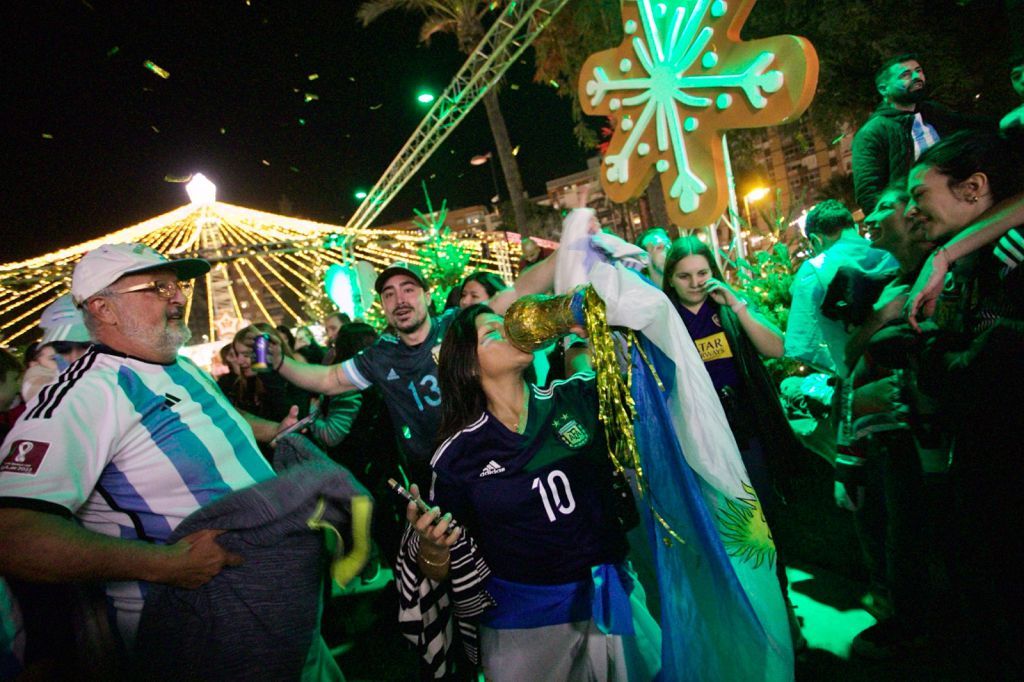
(297, 426)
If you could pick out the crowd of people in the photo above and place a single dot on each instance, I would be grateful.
(516, 530)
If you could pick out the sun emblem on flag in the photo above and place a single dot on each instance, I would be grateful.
(745, 532)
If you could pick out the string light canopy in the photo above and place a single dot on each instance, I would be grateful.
(265, 266)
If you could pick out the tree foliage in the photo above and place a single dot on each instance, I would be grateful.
(580, 29)
(317, 304)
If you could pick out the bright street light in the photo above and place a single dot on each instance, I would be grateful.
(755, 194)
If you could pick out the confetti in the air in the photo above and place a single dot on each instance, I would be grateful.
(311, 97)
(265, 162)
(163, 73)
(178, 178)
(514, 86)
(375, 107)
(313, 76)
(114, 50)
(47, 136)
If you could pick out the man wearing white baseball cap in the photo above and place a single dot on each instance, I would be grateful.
(65, 339)
(103, 266)
(129, 440)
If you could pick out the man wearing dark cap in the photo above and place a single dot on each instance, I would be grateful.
(130, 439)
(404, 365)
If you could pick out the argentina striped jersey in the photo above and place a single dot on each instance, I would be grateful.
(129, 447)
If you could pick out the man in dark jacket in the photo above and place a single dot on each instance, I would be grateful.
(899, 130)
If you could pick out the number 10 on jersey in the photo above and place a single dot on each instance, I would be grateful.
(552, 497)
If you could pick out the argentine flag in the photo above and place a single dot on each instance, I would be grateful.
(723, 614)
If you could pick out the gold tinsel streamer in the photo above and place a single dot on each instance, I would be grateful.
(616, 407)
(615, 399)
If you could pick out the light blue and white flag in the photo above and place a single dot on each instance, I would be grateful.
(723, 613)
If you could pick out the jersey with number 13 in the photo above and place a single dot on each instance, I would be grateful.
(407, 376)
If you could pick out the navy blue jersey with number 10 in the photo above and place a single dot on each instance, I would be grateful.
(539, 504)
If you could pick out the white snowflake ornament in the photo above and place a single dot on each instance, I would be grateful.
(679, 80)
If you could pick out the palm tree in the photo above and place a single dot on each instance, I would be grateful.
(464, 19)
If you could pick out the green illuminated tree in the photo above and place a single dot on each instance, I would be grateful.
(464, 19)
(443, 257)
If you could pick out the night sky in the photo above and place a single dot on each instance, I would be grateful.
(231, 109)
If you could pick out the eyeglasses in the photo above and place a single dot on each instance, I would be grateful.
(164, 290)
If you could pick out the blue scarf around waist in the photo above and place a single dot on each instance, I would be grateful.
(605, 598)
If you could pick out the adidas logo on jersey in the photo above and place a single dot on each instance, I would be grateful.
(170, 400)
(491, 469)
(392, 375)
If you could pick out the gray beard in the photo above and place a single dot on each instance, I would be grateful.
(166, 341)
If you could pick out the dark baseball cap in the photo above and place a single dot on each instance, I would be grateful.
(401, 269)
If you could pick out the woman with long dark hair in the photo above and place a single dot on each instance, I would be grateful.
(479, 287)
(730, 338)
(973, 366)
(526, 473)
(266, 395)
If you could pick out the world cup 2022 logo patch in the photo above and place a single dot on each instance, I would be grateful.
(571, 432)
(25, 457)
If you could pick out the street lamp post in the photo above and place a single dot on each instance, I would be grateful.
(753, 195)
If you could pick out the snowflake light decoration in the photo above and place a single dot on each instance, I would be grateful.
(679, 80)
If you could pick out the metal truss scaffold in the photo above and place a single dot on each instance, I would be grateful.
(506, 40)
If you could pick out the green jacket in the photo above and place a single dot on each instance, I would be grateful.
(883, 149)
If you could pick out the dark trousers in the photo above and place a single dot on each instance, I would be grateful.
(896, 524)
(908, 527)
(985, 528)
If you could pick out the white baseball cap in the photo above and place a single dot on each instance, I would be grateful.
(103, 266)
(62, 321)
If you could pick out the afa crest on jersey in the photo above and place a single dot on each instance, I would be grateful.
(571, 432)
